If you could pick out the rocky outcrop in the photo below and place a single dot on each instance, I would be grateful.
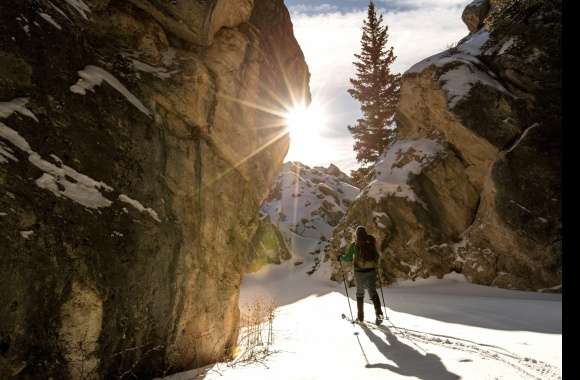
(474, 14)
(136, 147)
(473, 183)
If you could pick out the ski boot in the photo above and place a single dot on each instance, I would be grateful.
(378, 311)
(360, 310)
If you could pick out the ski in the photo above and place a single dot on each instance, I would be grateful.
(344, 316)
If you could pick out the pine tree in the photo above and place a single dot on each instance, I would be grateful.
(376, 88)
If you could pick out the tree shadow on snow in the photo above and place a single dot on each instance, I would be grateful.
(408, 360)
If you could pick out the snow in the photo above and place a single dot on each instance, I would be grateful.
(466, 52)
(378, 216)
(168, 57)
(437, 329)
(300, 205)
(50, 20)
(394, 168)
(474, 43)
(459, 81)
(468, 71)
(522, 136)
(61, 180)
(92, 76)
(59, 11)
(432, 280)
(85, 193)
(439, 60)
(80, 7)
(6, 153)
(520, 206)
(26, 234)
(17, 105)
(159, 72)
(536, 54)
(507, 45)
(138, 206)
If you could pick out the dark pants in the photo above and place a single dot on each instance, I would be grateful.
(368, 281)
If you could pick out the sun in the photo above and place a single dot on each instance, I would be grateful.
(305, 121)
(306, 124)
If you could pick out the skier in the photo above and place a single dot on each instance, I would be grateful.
(364, 253)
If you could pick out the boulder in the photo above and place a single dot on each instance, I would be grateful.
(474, 14)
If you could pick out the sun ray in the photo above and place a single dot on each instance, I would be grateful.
(236, 165)
(277, 109)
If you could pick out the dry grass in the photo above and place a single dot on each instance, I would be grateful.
(256, 332)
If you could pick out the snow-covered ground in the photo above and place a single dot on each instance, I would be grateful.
(437, 329)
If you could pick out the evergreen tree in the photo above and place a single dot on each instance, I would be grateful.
(376, 88)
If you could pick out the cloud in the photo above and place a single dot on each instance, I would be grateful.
(329, 34)
(347, 6)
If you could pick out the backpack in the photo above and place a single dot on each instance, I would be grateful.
(366, 255)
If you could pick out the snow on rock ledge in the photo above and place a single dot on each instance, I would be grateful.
(395, 167)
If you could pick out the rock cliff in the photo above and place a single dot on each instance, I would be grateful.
(137, 142)
(472, 183)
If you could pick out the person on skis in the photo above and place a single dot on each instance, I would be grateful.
(363, 252)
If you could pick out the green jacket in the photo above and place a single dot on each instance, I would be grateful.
(350, 255)
(350, 252)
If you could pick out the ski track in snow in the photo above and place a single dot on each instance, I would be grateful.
(530, 367)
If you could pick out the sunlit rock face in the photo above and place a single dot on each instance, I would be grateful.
(472, 184)
(136, 147)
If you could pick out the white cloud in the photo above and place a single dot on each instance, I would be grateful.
(330, 38)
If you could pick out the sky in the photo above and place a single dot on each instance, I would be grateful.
(329, 33)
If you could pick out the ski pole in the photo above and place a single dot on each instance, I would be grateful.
(381, 285)
(345, 288)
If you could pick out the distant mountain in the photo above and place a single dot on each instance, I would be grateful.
(306, 204)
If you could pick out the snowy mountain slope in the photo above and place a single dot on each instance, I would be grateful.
(306, 204)
(438, 329)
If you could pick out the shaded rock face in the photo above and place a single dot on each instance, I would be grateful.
(473, 183)
(133, 161)
(269, 247)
